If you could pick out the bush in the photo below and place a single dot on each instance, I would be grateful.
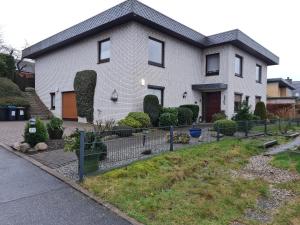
(195, 110)
(244, 113)
(226, 127)
(168, 119)
(7, 66)
(41, 134)
(172, 110)
(123, 131)
(130, 122)
(55, 128)
(141, 117)
(84, 86)
(218, 116)
(15, 101)
(152, 108)
(185, 116)
(260, 110)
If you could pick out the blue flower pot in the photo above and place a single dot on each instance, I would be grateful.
(195, 132)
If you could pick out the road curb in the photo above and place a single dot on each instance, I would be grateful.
(72, 184)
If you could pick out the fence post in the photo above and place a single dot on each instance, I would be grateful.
(171, 138)
(246, 125)
(81, 156)
(279, 125)
(266, 127)
(218, 133)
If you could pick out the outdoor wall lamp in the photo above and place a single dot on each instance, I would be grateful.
(114, 96)
(184, 94)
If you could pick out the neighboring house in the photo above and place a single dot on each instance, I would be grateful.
(296, 93)
(280, 98)
(25, 70)
(136, 51)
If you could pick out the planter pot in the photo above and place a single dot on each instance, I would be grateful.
(195, 132)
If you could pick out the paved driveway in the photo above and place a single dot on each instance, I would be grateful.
(30, 196)
(12, 131)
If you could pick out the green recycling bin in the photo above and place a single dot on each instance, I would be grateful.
(12, 112)
(3, 113)
(21, 113)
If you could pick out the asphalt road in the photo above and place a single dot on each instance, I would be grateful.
(30, 196)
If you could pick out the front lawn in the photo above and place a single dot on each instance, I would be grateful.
(287, 160)
(189, 186)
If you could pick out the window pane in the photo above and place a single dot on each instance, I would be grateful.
(213, 63)
(155, 51)
(237, 102)
(157, 93)
(258, 73)
(238, 65)
(105, 50)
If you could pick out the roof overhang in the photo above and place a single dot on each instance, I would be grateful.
(281, 82)
(209, 87)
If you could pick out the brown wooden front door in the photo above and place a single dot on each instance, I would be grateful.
(211, 104)
(69, 107)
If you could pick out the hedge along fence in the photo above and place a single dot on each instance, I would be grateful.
(84, 86)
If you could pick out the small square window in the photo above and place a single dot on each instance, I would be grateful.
(52, 96)
(157, 91)
(258, 74)
(237, 101)
(156, 52)
(247, 100)
(212, 64)
(238, 66)
(104, 51)
(257, 99)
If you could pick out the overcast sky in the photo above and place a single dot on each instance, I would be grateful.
(274, 24)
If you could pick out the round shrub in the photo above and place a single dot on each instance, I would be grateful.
(185, 116)
(55, 128)
(172, 110)
(142, 117)
(41, 134)
(84, 86)
(130, 122)
(226, 127)
(218, 116)
(260, 110)
(168, 119)
(123, 131)
(195, 110)
(152, 108)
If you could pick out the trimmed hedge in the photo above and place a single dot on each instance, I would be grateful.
(195, 110)
(168, 119)
(173, 110)
(41, 134)
(152, 108)
(123, 131)
(260, 110)
(226, 127)
(142, 117)
(15, 101)
(185, 116)
(84, 86)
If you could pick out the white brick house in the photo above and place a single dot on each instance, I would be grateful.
(136, 50)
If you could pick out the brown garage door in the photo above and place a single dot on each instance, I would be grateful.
(69, 108)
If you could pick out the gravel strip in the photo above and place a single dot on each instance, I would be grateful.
(258, 167)
(70, 170)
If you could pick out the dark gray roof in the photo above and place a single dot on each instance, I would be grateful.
(296, 84)
(282, 82)
(209, 87)
(137, 11)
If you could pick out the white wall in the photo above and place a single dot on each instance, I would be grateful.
(184, 66)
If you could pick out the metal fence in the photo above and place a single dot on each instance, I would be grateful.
(115, 148)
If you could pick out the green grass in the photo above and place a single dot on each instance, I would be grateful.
(189, 186)
(287, 160)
